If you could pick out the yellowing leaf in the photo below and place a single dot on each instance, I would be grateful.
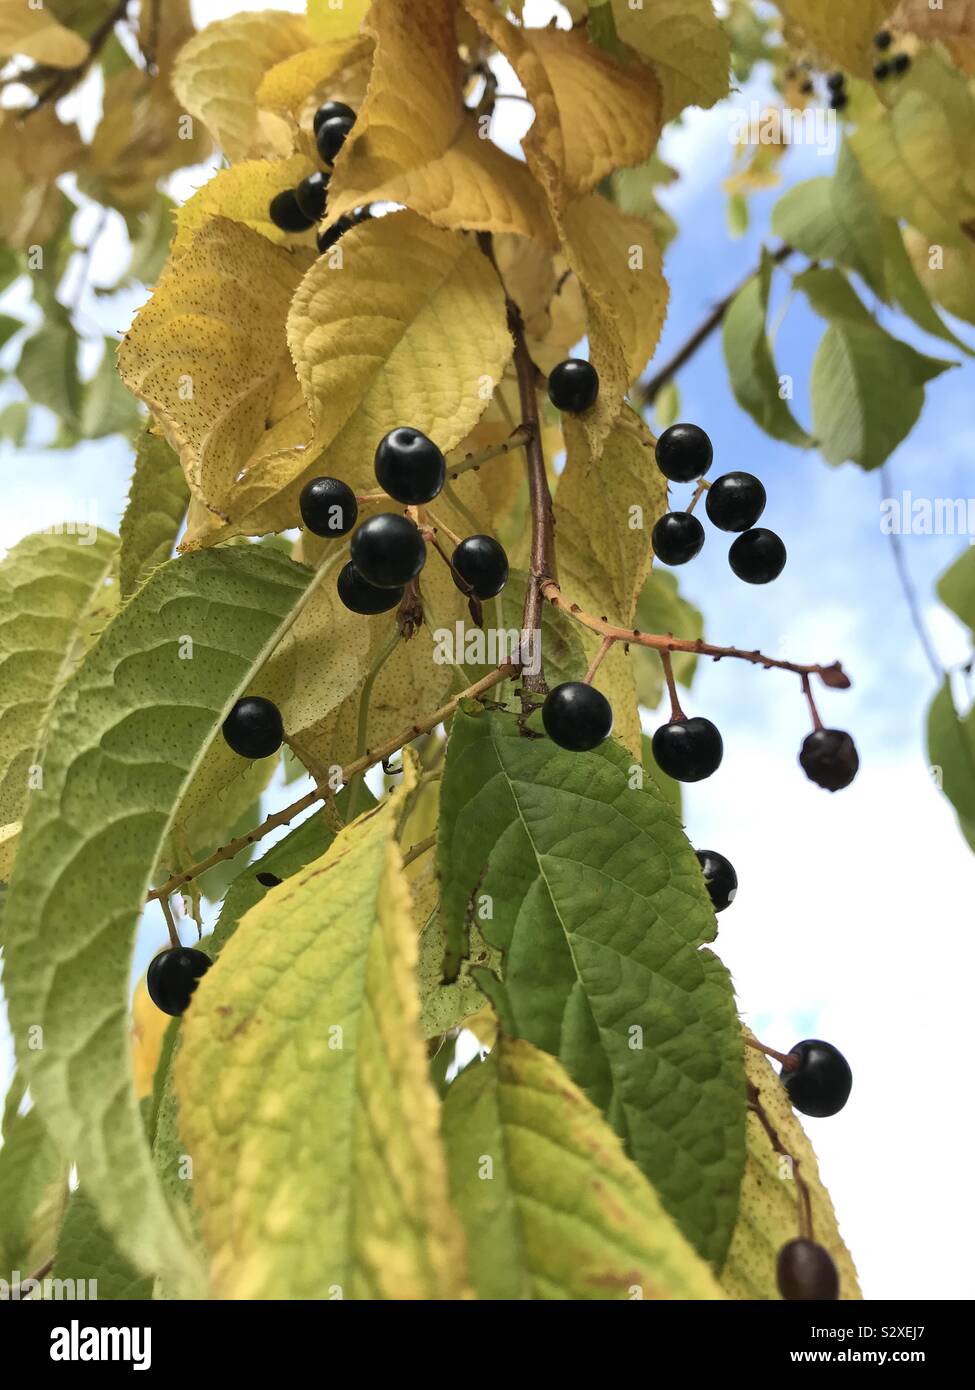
(328, 20)
(9, 839)
(335, 71)
(953, 24)
(243, 192)
(209, 356)
(32, 157)
(562, 1212)
(155, 511)
(148, 1028)
(304, 1093)
(34, 33)
(685, 45)
(837, 33)
(218, 72)
(946, 272)
(415, 144)
(768, 1212)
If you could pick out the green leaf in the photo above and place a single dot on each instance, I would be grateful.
(33, 1189)
(956, 588)
(666, 406)
(158, 499)
(662, 609)
(836, 219)
(48, 370)
(8, 327)
(908, 291)
(754, 378)
(52, 591)
(86, 1252)
(128, 733)
(951, 752)
(107, 407)
(14, 419)
(562, 1212)
(737, 214)
(597, 901)
(302, 1058)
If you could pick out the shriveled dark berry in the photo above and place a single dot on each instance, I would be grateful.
(805, 1272)
(829, 758)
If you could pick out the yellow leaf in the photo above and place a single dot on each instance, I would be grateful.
(307, 1028)
(218, 72)
(32, 32)
(243, 192)
(946, 272)
(953, 25)
(209, 356)
(604, 514)
(837, 33)
(768, 1212)
(328, 20)
(335, 71)
(686, 46)
(32, 157)
(414, 143)
(565, 1214)
(9, 839)
(149, 1026)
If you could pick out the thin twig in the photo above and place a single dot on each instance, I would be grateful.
(414, 852)
(675, 710)
(789, 1060)
(598, 659)
(907, 586)
(70, 77)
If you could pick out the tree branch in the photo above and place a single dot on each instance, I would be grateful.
(70, 77)
(651, 388)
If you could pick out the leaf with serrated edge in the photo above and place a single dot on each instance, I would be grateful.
(684, 43)
(260, 1042)
(751, 367)
(600, 908)
(218, 72)
(243, 193)
(50, 587)
(114, 770)
(158, 497)
(565, 1213)
(297, 85)
(768, 1212)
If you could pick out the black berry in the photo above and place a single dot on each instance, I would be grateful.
(267, 880)
(327, 110)
(900, 63)
(331, 135)
(883, 40)
(577, 716)
(410, 467)
(310, 195)
(881, 71)
(327, 239)
(677, 537)
(573, 386)
(820, 1086)
(482, 562)
(720, 878)
(836, 81)
(684, 453)
(735, 501)
(388, 550)
(757, 556)
(254, 727)
(688, 749)
(361, 596)
(806, 88)
(285, 213)
(829, 758)
(328, 507)
(805, 1272)
(173, 976)
(838, 101)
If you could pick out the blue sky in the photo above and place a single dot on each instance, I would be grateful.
(853, 918)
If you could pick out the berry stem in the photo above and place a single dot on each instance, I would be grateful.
(675, 710)
(597, 660)
(421, 847)
(323, 791)
(788, 1059)
(833, 674)
(807, 691)
(516, 440)
(170, 922)
(802, 1187)
(439, 526)
(699, 492)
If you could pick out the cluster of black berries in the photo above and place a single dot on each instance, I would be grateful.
(299, 209)
(735, 501)
(895, 64)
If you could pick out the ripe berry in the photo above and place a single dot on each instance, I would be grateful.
(573, 386)
(757, 556)
(836, 81)
(838, 101)
(901, 63)
(410, 467)
(821, 1084)
(254, 727)
(577, 716)
(361, 596)
(482, 562)
(331, 135)
(327, 110)
(805, 1271)
(684, 453)
(735, 501)
(829, 758)
(388, 550)
(688, 749)
(720, 878)
(881, 71)
(807, 88)
(310, 195)
(328, 507)
(285, 213)
(677, 537)
(327, 239)
(883, 40)
(173, 976)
